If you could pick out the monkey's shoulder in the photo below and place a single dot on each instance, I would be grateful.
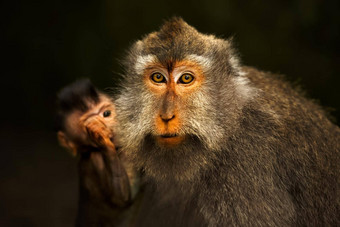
(283, 98)
(272, 84)
(284, 111)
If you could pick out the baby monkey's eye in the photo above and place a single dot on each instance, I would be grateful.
(107, 113)
(158, 78)
(186, 78)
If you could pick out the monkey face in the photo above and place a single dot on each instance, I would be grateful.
(181, 94)
(98, 122)
(172, 88)
(105, 110)
(87, 128)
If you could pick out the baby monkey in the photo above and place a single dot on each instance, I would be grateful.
(85, 122)
(85, 118)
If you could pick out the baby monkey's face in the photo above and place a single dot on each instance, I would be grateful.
(91, 128)
(103, 111)
(98, 122)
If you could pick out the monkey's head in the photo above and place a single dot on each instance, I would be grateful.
(181, 97)
(77, 103)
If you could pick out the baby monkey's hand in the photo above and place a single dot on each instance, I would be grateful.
(98, 131)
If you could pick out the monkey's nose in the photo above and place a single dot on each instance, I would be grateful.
(167, 117)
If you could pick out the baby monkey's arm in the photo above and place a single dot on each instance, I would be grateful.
(86, 120)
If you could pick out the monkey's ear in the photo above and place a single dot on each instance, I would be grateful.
(68, 144)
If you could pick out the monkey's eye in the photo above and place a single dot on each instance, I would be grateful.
(186, 78)
(107, 113)
(158, 78)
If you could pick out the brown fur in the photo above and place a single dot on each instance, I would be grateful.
(255, 153)
(104, 184)
(243, 148)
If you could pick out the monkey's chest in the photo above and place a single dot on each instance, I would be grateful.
(180, 211)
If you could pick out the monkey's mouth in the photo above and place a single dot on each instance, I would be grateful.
(169, 139)
(168, 135)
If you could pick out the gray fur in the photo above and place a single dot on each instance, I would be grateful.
(258, 153)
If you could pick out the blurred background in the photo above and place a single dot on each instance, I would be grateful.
(45, 45)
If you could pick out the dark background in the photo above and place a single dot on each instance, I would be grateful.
(48, 44)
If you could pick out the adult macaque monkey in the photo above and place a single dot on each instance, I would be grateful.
(85, 123)
(221, 144)
(218, 143)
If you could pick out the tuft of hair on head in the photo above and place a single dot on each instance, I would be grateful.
(75, 96)
(174, 25)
